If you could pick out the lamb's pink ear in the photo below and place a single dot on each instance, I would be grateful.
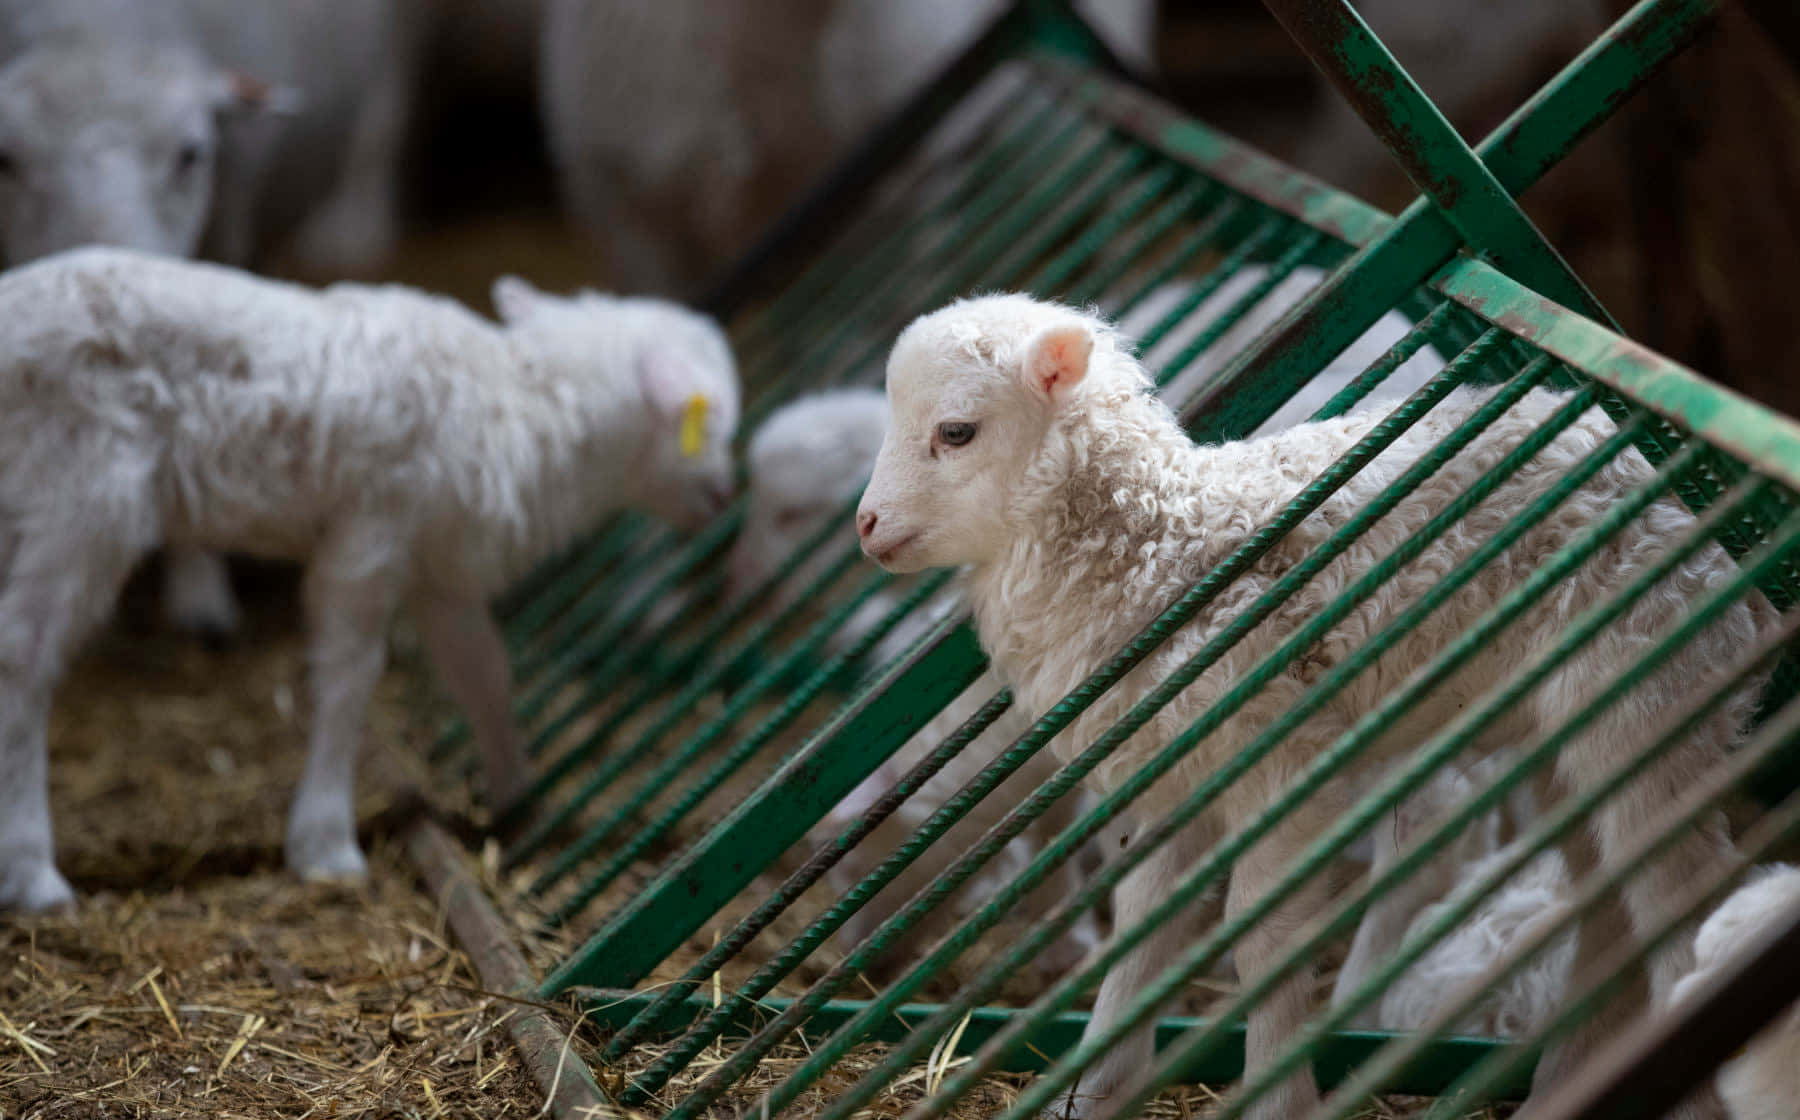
(1057, 360)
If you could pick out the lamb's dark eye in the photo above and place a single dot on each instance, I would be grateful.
(9, 166)
(188, 158)
(955, 433)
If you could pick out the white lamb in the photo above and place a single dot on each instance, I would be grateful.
(810, 457)
(1024, 445)
(401, 445)
(1763, 1081)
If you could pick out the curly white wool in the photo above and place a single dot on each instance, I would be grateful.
(1456, 966)
(1082, 510)
(1763, 1082)
(399, 444)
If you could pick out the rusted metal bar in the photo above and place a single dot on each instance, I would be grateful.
(1428, 149)
(543, 1046)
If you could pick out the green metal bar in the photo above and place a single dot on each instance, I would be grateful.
(875, 235)
(902, 244)
(1427, 148)
(1774, 828)
(999, 252)
(1336, 1060)
(1236, 165)
(1447, 744)
(1421, 240)
(1767, 441)
(654, 1016)
(1768, 835)
(741, 752)
(1398, 355)
(1054, 273)
(686, 666)
(683, 704)
(699, 685)
(1563, 819)
(1284, 266)
(1191, 202)
(539, 580)
(600, 650)
(1380, 437)
(1202, 238)
(841, 754)
(567, 584)
(1255, 243)
(1004, 211)
(546, 825)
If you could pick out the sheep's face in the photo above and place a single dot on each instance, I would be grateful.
(974, 390)
(675, 364)
(805, 462)
(112, 145)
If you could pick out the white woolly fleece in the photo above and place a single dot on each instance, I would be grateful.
(1083, 511)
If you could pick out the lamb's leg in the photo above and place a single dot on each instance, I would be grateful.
(1137, 895)
(470, 655)
(351, 590)
(197, 594)
(1597, 934)
(1276, 1021)
(1384, 925)
(1635, 813)
(57, 590)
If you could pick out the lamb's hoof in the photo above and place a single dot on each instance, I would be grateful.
(33, 888)
(322, 856)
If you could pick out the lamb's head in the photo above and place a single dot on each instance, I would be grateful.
(114, 144)
(805, 461)
(670, 368)
(987, 396)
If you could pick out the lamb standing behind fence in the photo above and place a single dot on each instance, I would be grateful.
(400, 445)
(1108, 513)
(809, 457)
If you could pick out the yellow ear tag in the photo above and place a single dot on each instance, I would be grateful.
(693, 425)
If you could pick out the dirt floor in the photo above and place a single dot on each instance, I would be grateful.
(196, 978)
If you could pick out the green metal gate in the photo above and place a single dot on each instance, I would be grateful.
(686, 751)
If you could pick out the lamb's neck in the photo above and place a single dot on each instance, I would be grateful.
(558, 458)
(1115, 522)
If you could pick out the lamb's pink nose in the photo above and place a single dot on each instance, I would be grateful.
(865, 523)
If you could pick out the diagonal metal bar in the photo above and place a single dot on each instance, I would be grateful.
(1404, 254)
(1428, 149)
